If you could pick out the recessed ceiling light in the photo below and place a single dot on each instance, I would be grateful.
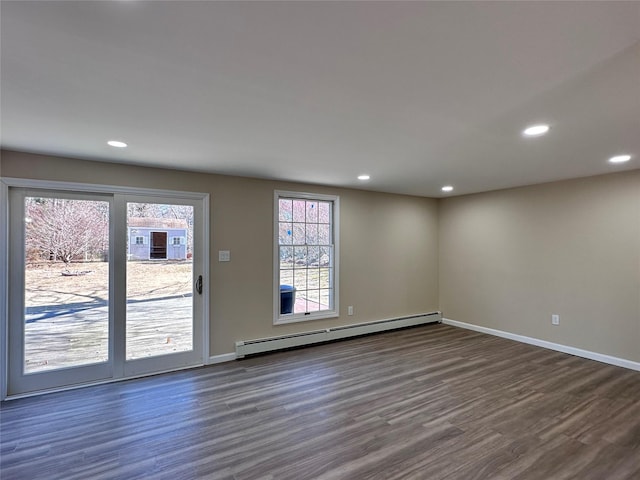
(363, 177)
(535, 130)
(116, 143)
(447, 188)
(620, 159)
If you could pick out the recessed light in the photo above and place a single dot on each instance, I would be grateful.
(535, 130)
(447, 188)
(620, 159)
(116, 143)
(363, 177)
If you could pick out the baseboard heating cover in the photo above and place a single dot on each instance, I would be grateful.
(261, 345)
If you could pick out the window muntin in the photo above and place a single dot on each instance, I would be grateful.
(305, 254)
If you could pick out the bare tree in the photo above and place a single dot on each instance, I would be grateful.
(64, 229)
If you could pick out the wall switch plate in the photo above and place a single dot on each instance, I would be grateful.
(555, 319)
(224, 256)
(350, 310)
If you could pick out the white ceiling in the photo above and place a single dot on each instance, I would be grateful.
(416, 94)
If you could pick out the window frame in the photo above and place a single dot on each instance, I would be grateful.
(279, 319)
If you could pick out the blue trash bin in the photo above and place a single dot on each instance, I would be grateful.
(287, 298)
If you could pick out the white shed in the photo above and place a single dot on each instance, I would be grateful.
(157, 238)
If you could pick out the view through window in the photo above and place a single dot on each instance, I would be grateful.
(306, 253)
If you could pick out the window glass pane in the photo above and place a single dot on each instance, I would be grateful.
(301, 303)
(313, 278)
(66, 284)
(325, 257)
(324, 212)
(324, 278)
(285, 233)
(300, 279)
(312, 212)
(286, 210)
(299, 211)
(159, 319)
(300, 257)
(312, 234)
(325, 299)
(324, 234)
(286, 257)
(312, 256)
(286, 277)
(313, 300)
(298, 234)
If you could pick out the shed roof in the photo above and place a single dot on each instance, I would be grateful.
(150, 222)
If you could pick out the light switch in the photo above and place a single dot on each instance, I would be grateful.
(224, 256)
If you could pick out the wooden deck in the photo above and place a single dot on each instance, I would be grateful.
(66, 317)
(72, 335)
(432, 402)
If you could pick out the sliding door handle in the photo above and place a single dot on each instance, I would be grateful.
(199, 284)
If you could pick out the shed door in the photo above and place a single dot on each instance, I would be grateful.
(158, 245)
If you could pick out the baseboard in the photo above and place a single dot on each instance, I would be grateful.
(225, 357)
(599, 357)
(333, 333)
(311, 337)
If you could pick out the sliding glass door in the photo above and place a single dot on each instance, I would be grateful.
(102, 286)
(163, 322)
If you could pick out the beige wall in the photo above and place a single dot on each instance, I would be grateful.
(388, 257)
(505, 260)
(511, 258)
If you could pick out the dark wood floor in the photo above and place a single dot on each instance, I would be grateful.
(432, 402)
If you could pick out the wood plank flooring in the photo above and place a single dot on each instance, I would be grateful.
(433, 402)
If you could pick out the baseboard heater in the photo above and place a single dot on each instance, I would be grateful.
(261, 345)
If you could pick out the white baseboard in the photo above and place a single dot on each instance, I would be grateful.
(225, 357)
(599, 357)
(310, 337)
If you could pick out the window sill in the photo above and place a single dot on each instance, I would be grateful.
(299, 317)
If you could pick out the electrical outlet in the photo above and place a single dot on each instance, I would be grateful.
(224, 256)
(555, 319)
(350, 310)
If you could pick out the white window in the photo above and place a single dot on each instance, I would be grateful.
(305, 256)
(176, 241)
(139, 241)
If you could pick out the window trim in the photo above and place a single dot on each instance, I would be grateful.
(335, 227)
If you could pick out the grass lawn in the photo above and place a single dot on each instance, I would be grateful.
(45, 283)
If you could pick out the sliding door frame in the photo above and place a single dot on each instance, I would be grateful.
(7, 183)
(175, 360)
(87, 370)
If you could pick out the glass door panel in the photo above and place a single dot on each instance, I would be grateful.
(160, 302)
(60, 289)
(66, 288)
(159, 279)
